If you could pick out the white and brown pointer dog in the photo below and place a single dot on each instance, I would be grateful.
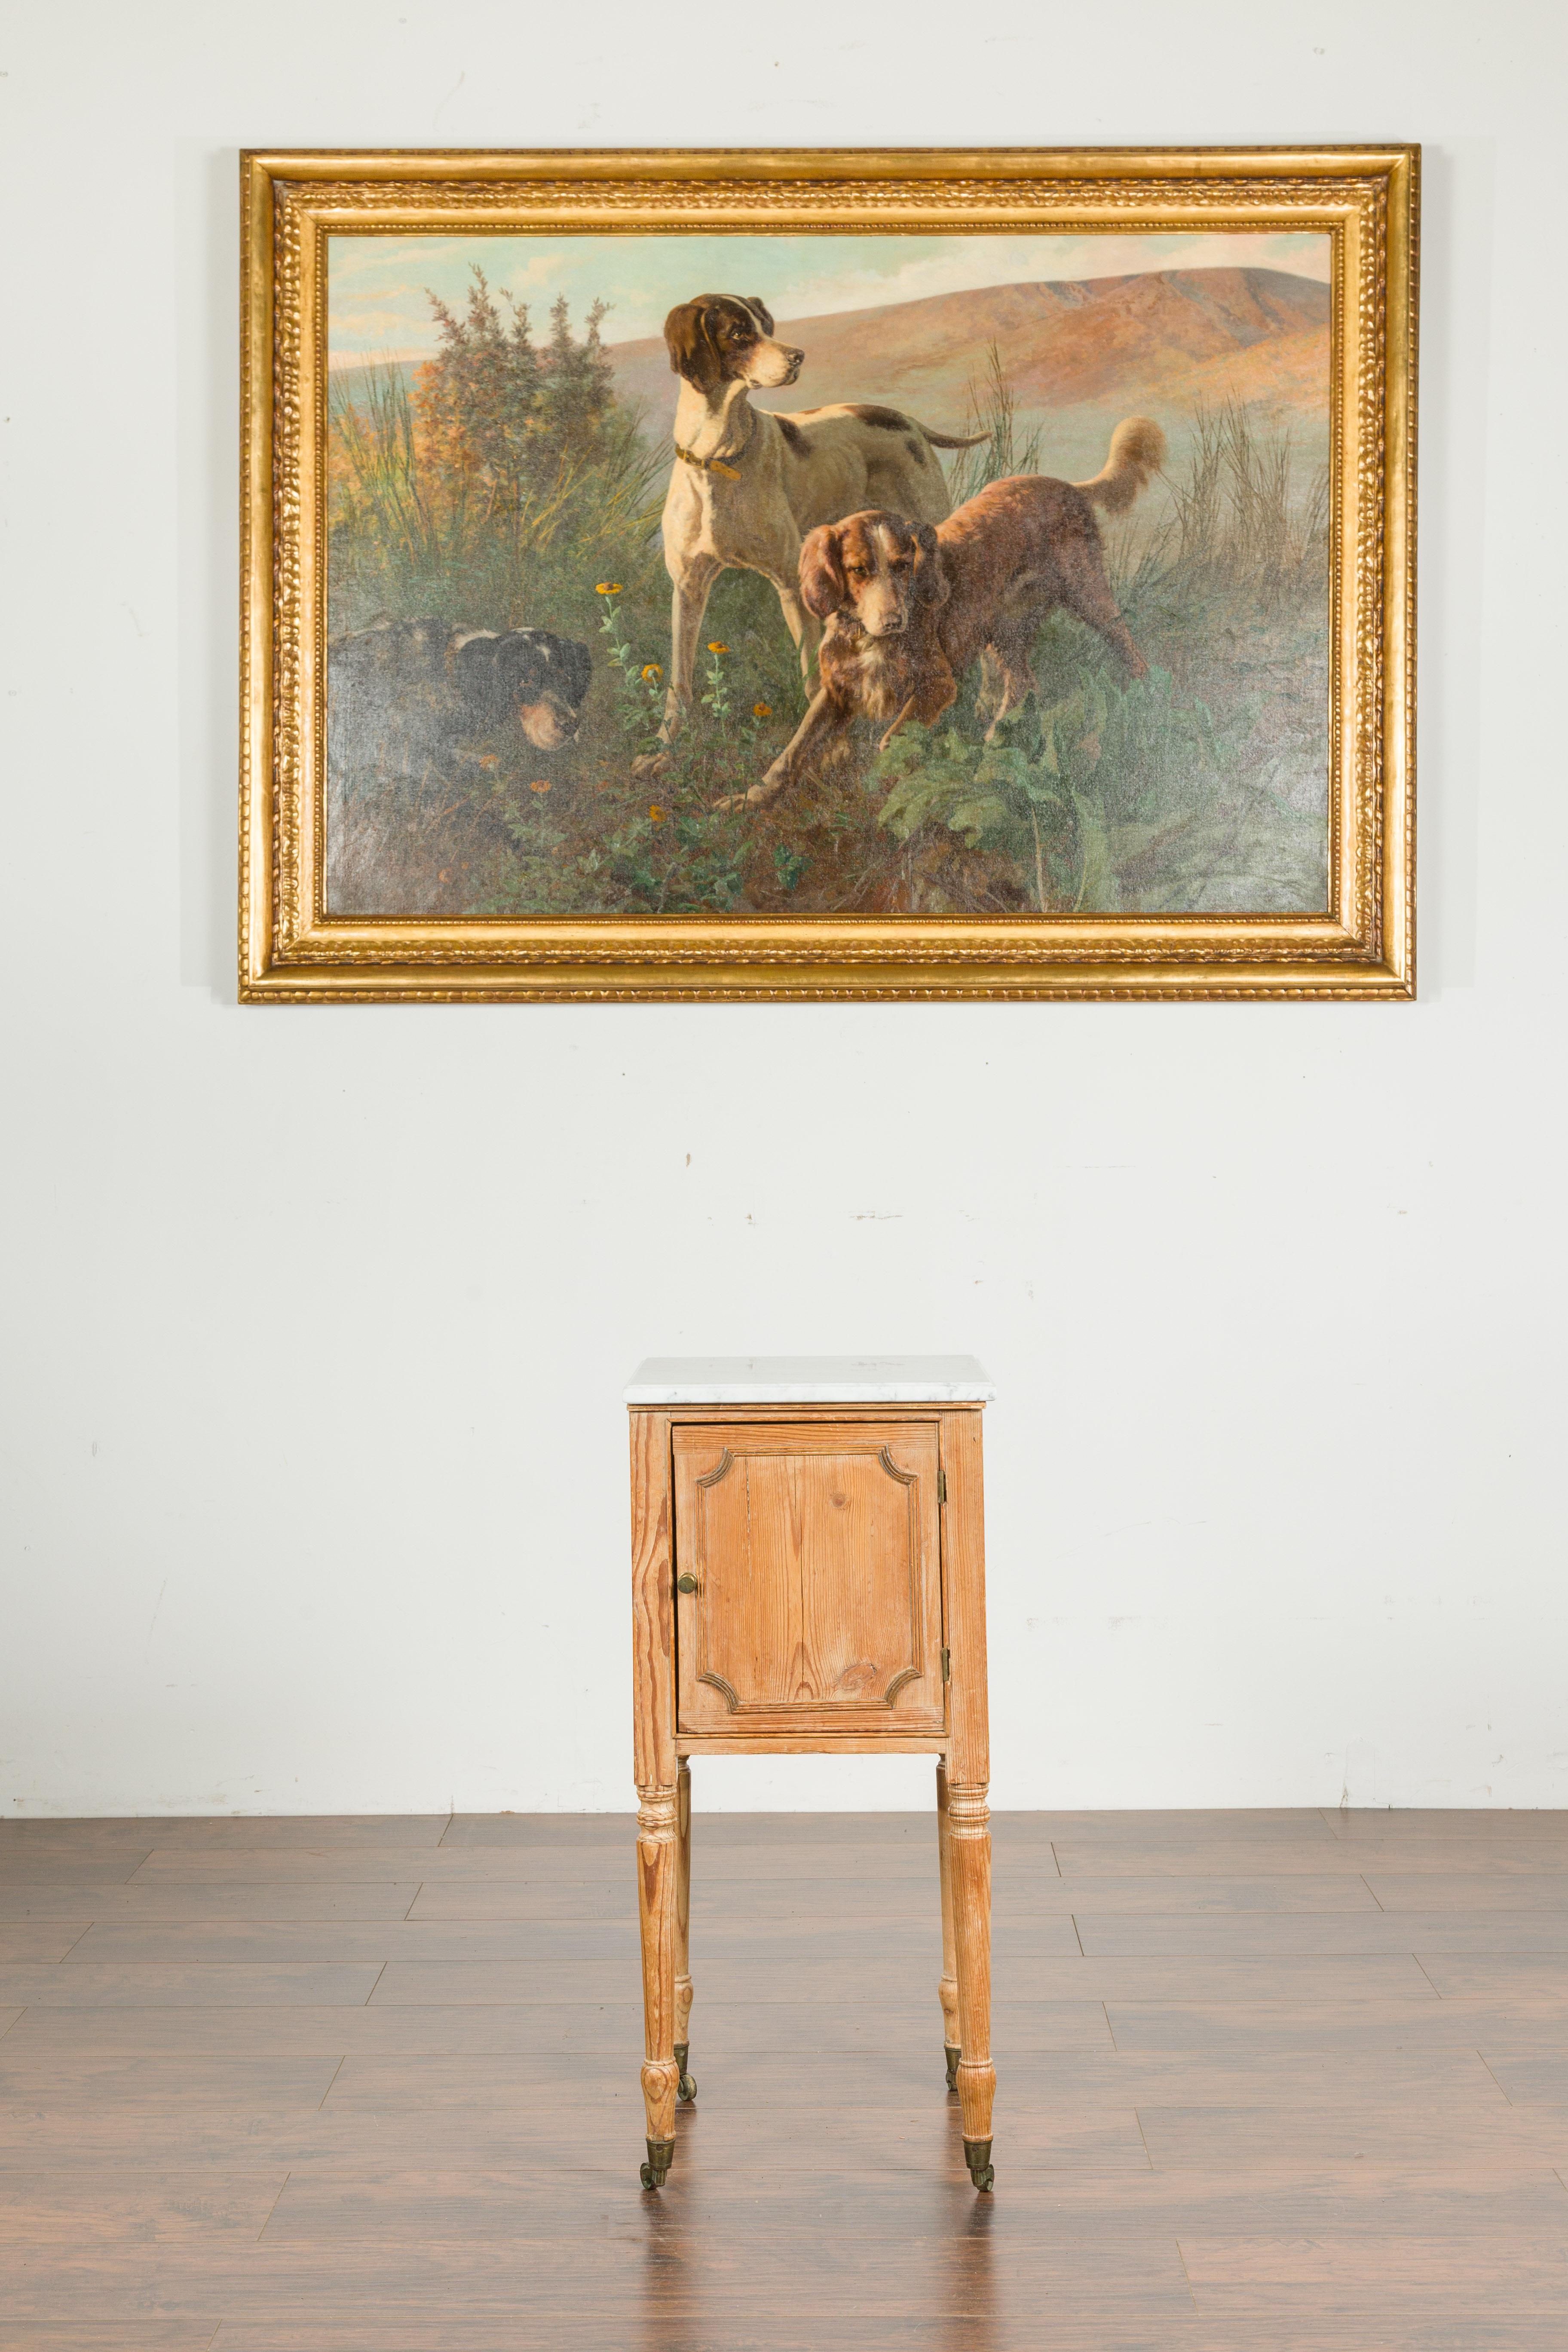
(749, 484)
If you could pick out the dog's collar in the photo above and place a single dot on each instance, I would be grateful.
(709, 465)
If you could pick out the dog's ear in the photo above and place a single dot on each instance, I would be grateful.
(516, 663)
(931, 584)
(489, 674)
(578, 663)
(694, 352)
(755, 302)
(823, 588)
(471, 661)
(567, 667)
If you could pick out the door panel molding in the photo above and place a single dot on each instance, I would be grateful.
(798, 1615)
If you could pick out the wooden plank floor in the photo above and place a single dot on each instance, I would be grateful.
(1270, 2082)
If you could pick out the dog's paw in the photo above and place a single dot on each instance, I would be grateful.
(758, 796)
(652, 763)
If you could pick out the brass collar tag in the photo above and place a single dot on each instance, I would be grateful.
(709, 465)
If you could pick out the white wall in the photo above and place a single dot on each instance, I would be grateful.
(318, 1318)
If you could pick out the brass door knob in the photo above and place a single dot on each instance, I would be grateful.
(687, 1584)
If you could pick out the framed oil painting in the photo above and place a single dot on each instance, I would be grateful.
(807, 574)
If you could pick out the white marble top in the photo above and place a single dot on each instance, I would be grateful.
(809, 1379)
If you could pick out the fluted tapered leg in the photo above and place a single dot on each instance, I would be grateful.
(658, 1873)
(947, 1990)
(687, 2088)
(969, 1843)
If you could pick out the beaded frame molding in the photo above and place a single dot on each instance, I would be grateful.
(292, 950)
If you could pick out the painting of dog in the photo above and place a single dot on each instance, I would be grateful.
(942, 574)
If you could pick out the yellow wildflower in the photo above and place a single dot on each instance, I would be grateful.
(715, 647)
(762, 709)
(652, 669)
(540, 784)
(607, 588)
(656, 815)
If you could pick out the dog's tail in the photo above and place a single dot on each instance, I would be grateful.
(1137, 451)
(952, 440)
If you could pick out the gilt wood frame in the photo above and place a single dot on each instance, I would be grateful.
(290, 950)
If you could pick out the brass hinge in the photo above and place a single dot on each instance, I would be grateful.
(941, 1485)
(947, 1665)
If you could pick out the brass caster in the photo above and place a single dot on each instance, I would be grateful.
(686, 2089)
(953, 2054)
(978, 2155)
(656, 2171)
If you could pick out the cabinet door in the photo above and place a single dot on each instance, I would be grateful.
(811, 1557)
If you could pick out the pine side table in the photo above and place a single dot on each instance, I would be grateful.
(808, 1576)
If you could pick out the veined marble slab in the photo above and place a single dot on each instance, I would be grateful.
(809, 1379)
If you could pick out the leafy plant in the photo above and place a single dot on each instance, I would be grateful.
(789, 865)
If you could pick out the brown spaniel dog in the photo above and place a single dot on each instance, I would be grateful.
(909, 606)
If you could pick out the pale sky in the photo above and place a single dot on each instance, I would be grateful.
(377, 306)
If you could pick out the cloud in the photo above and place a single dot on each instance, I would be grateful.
(362, 328)
(538, 270)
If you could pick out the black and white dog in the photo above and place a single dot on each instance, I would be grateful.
(407, 696)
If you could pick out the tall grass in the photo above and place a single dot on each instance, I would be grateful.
(992, 409)
(381, 519)
(1239, 521)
